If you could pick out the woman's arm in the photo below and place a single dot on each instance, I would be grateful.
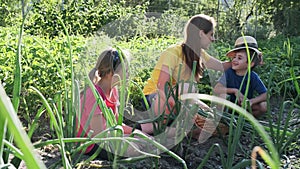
(216, 64)
(164, 77)
(220, 89)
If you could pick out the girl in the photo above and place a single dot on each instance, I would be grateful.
(105, 75)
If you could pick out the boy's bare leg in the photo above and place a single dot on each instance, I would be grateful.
(259, 109)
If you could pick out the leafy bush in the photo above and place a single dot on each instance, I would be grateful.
(281, 55)
(38, 69)
(80, 17)
(10, 13)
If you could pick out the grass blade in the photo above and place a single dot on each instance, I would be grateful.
(204, 161)
(273, 162)
(15, 126)
(57, 127)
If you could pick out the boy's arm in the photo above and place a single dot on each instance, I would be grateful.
(258, 99)
(221, 89)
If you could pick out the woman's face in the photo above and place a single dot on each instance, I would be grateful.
(206, 39)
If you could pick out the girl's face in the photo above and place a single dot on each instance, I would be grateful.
(239, 61)
(206, 39)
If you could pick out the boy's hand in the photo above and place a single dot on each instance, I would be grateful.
(250, 101)
(239, 96)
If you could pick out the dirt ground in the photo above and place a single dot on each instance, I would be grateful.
(191, 151)
(188, 149)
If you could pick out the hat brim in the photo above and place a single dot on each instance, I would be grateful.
(232, 52)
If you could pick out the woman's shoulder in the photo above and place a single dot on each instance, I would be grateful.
(175, 49)
(205, 55)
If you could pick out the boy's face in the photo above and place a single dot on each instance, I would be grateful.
(239, 61)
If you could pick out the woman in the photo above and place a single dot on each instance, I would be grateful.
(105, 75)
(199, 34)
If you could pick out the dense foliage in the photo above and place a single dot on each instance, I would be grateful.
(80, 17)
(261, 19)
(40, 71)
(122, 21)
(144, 28)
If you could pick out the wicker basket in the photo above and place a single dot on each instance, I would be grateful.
(211, 126)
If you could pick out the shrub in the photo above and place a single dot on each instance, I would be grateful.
(80, 17)
(38, 69)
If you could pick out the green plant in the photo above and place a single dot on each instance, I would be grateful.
(236, 125)
(64, 109)
(283, 132)
(10, 122)
(80, 17)
(273, 159)
(281, 55)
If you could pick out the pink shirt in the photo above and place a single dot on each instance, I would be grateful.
(88, 102)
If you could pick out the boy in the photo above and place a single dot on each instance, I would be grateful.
(231, 81)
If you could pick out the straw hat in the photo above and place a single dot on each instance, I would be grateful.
(240, 44)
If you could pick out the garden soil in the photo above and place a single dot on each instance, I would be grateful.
(189, 150)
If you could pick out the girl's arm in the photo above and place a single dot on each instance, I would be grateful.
(126, 129)
(96, 124)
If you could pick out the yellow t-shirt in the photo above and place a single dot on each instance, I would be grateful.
(172, 57)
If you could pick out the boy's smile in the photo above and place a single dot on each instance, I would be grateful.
(239, 63)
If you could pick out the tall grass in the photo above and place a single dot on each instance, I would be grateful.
(282, 133)
(271, 159)
(285, 130)
(7, 118)
(65, 106)
(10, 121)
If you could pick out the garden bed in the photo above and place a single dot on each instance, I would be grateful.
(189, 150)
